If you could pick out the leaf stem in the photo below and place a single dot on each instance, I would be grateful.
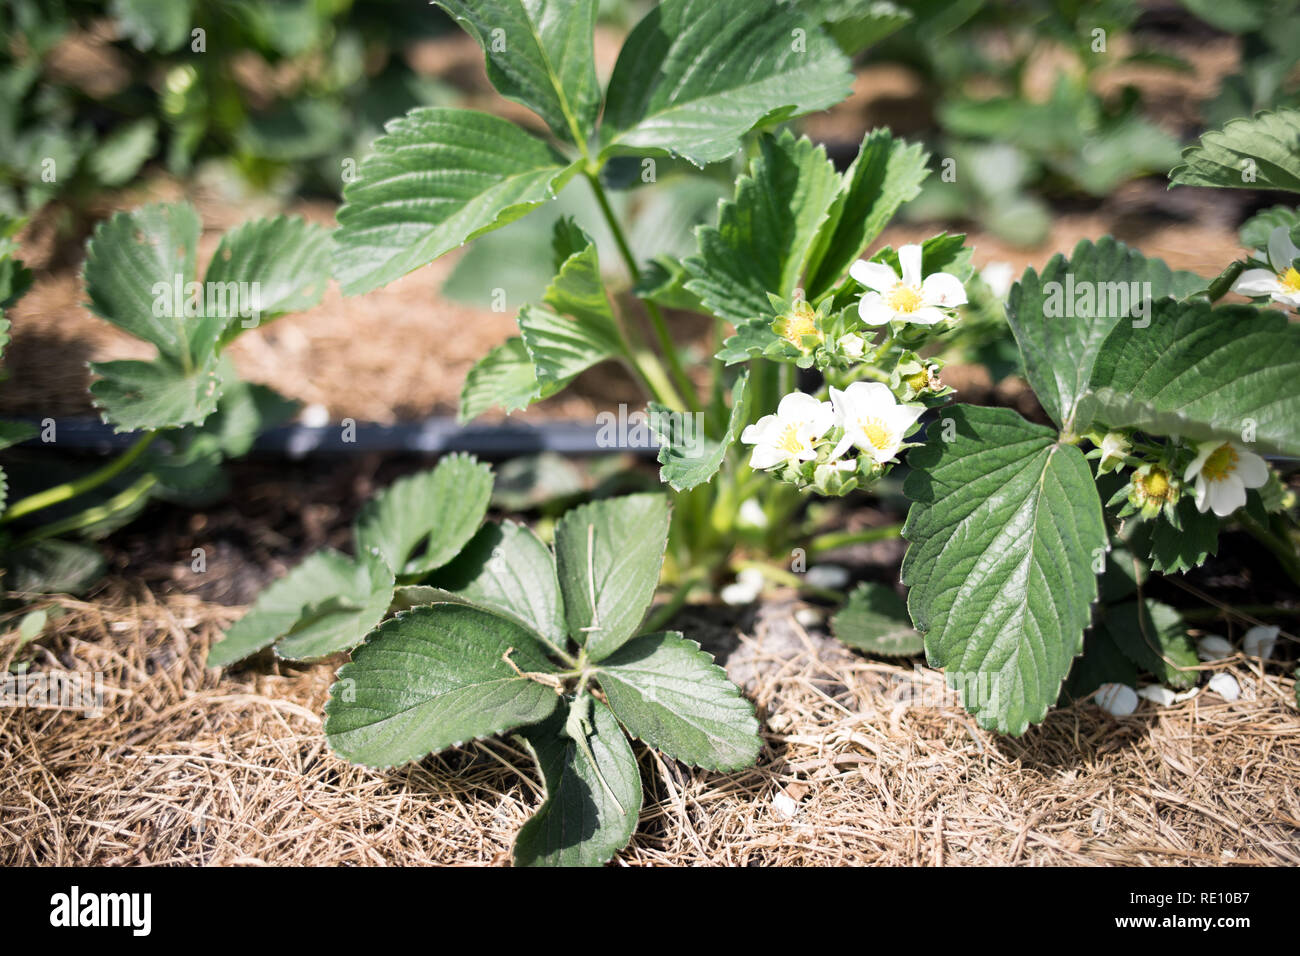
(839, 539)
(656, 317)
(94, 515)
(71, 489)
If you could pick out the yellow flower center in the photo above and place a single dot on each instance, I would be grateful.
(1222, 462)
(798, 325)
(904, 298)
(1154, 485)
(790, 442)
(876, 432)
(1290, 280)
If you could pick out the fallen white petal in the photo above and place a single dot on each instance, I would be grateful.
(808, 616)
(1226, 686)
(1157, 694)
(829, 576)
(784, 806)
(1212, 647)
(1260, 640)
(1118, 700)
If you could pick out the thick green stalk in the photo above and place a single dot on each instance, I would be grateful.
(71, 489)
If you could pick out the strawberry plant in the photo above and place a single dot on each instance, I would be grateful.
(188, 406)
(492, 631)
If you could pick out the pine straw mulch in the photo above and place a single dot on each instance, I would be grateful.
(874, 762)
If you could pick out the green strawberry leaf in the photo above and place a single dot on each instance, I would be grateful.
(503, 378)
(291, 609)
(1005, 525)
(1173, 550)
(539, 53)
(886, 173)
(1259, 152)
(1102, 663)
(670, 694)
(766, 233)
(507, 568)
(855, 25)
(1183, 376)
(1061, 318)
(51, 567)
(1153, 636)
(593, 793)
(688, 456)
(133, 395)
(875, 620)
(134, 263)
(286, 259)
(608, 555)
(695, 76)
(432, 678)
(441, 508)
(436, 179)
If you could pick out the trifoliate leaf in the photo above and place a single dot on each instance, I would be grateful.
(434, 677)
(436, 179)
(539, 53)
(285, 260)
(1183, 376)
(875, 620)
(593, 792)
(766, 233)
(688, 456)
(670, 694)
(1005, 525)
(1061, 318)
(695, 76)
(608, 554)
(1153, 636)
(507, 568)
(886, 173)
(1259, 152)
(326, 604)
(440, 509)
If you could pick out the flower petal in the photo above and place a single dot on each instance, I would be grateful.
(1281, 250)
(926, 315)
(1227, 496)
(909, 257)
(874, 275)
(797, 407)
(1251, 469)
(944, 290)
(765, 456)
(1256, 282)
(873, 311)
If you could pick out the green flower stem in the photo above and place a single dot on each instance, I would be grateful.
(71, 489)
(839, 539)
(92, 516)
(666, 611)
(656, 317)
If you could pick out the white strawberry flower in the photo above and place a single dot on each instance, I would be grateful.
(1282, 282)
(872, 419)
(1223, 471)
(791, 434)
(909, 298)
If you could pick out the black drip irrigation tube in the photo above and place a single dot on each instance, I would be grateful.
(432, 436)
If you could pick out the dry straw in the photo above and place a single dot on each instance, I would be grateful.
(866, 763)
